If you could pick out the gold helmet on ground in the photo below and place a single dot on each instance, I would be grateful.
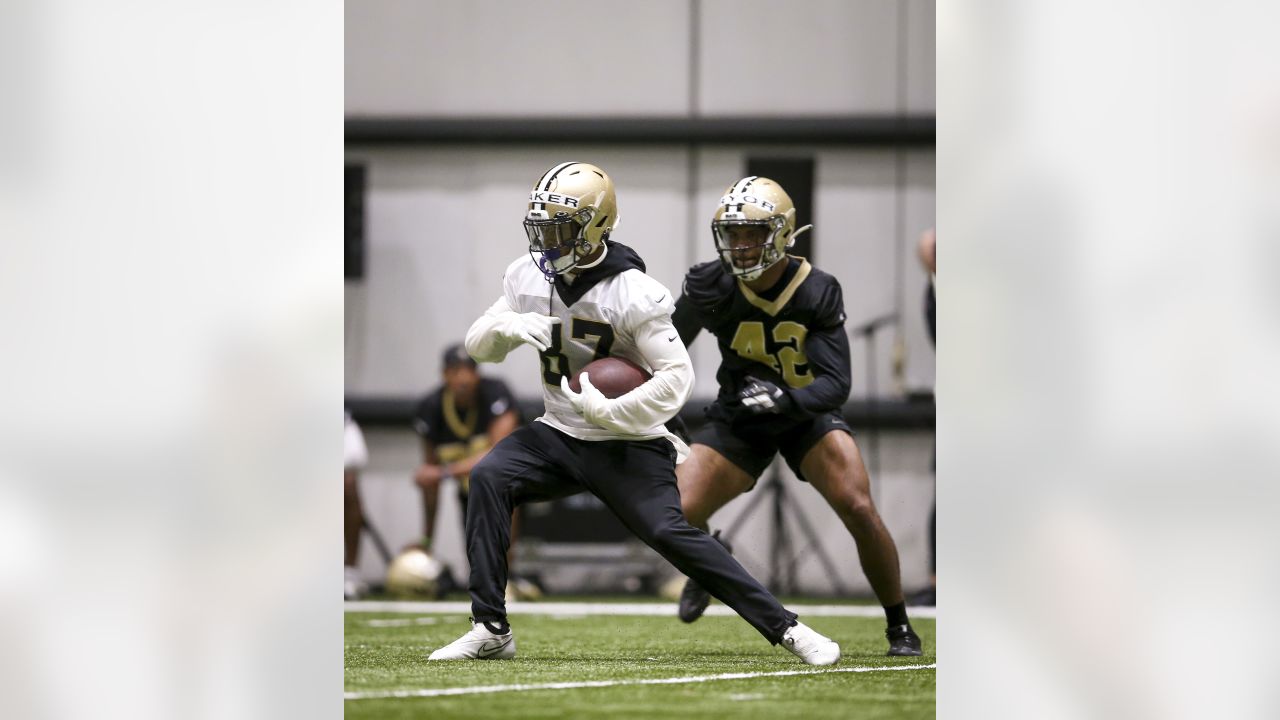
(572, 209)
(754, 225)
(414, 574)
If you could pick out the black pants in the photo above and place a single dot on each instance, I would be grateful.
(636, 480)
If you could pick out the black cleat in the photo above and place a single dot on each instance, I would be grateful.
(903, 641)
(693, 599)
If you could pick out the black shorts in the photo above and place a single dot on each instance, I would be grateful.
(752, 445)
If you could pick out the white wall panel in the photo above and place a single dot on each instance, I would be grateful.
(443, 225)
(814, 57)
(855, 214)
(717, 169)
(489, 57)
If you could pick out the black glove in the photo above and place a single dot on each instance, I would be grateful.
(761, 397)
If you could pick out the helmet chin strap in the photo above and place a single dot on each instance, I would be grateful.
(548, 269)
(604, 252)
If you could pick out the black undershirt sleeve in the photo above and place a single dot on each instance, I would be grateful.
(827, 350)
(687, 320)
(828, 355)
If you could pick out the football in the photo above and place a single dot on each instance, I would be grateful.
(612, 376)
(414, 575)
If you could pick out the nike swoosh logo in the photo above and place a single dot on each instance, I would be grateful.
(487, 649)
(664, 297)
(672, 339)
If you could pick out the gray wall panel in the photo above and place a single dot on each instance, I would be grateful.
(488, 57)
(921, 57)
(449, 58)
(815, 57)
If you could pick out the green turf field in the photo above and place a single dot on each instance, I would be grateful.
(387, 652)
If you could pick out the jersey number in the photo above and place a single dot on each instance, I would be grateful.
(554, 363)
(786, 354)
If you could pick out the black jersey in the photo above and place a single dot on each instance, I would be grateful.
(931, 313)
(458, 433)
(792, 335)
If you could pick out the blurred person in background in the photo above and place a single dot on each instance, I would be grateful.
(784, 377)
(355, 457)
(459, 422)
(927, 248)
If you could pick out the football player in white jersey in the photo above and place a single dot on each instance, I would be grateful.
(576, 297)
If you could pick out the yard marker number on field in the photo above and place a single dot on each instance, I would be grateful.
(441, 692)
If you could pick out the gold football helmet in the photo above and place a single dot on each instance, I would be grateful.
(572, 209)
(754, 225)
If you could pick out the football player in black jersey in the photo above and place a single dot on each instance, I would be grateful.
(784, 376)
(459, 422)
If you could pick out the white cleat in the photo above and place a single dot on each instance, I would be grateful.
(809, 646)
(353, 588)
(478, 644)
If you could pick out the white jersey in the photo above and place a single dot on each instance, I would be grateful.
(355, 454)
(626, 315)
(601, 324)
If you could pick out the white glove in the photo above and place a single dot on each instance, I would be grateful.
(590, 403)
(530, 328)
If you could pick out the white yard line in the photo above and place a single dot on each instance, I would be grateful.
(439, 692)
(560, 609)
(402, 622)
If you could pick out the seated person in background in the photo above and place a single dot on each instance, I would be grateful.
(355, 457)
(459, 422)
